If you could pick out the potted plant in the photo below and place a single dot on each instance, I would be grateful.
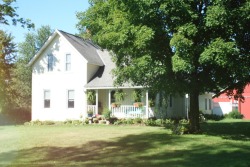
(90, 113)
(119, 97)
(137, 96)
(91, 97)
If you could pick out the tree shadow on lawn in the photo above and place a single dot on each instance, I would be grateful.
(228, 130)
(148, 149)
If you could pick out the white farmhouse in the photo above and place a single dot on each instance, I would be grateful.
(67, 67)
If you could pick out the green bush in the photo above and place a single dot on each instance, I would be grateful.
(159, 122)
(234, 115)
(48, 123)
(36, 122)
(180, 129)
(119, 122)
(112, 120)
(213, 117)
(106, 113)
(149, 122)
(137, 121)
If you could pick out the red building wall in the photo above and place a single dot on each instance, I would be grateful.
(244, 107)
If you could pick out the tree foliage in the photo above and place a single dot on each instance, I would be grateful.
(22, 73)
(8, 12)
(175, 45)
(7, 55)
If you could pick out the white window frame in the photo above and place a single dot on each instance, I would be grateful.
(50, 59)
(70, 99)
(46, 100)
(68, 62)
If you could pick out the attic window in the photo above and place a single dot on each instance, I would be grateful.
(68, 62)
(50, 62)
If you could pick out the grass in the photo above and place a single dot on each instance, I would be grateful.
(224, 143)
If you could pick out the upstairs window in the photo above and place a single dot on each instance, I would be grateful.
(205, 104)
(50, 62)
(68, 62)
(210, 104)
(46, 99)
(71, 98)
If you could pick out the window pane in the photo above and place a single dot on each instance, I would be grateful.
(210, 104)
(71, 94)
(46, 94)
(68, 66)
(46, 99)
(71, 103)
(46, 103)
(50, 62)
(68, 62)
(68, 58)
(205, 104)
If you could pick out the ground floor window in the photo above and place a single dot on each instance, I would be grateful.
(46, 98)
(71, 98)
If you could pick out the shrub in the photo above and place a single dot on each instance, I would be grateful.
(129, 121)
(86, 121)
(180, 129)
(119, 122)
(159, 122)
(213, 117)
(112, 120)
(149, 122)
(48, 123)
(234, 115)
(106, 113)
(76, 122)
(36, 122)
(137, 121)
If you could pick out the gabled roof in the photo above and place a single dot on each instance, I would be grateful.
(85, 47)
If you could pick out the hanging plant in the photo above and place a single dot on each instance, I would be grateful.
(137, 96)
(91, 97)
(119, 97)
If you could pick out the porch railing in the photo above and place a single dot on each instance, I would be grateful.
(129, 111)
(91, 108)
(126, 111)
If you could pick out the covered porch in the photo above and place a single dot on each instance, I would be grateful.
(126, 107)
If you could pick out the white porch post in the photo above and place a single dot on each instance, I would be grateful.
(109, 99)
(85, 104)
(96, 101)
(147, 104)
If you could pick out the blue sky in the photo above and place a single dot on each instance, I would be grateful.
(59, 14)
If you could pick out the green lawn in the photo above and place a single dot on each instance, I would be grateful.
(225, 143)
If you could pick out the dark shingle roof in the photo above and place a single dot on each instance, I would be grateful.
(85, 47)
(103, 77)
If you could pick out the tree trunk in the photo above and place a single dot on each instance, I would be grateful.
(194, 112)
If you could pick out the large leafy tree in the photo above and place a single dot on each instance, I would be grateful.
(21, 73)
(179, 46)
(7, 55)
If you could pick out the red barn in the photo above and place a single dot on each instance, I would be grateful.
(225, 104)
